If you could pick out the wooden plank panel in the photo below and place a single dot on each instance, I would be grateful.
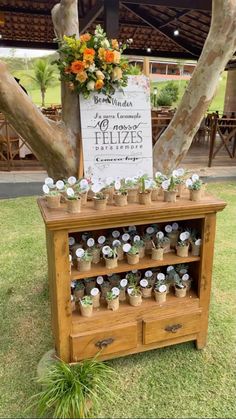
(108, 341)
(90, 219)
(58, 269)
(123, 266)
(205, 274)
(170, 327)
(149, 306)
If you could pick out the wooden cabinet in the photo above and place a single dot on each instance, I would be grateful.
(130, 329)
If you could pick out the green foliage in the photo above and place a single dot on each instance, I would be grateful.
(134, 70)
(172, 90)
(79, 285)
(134, 250)
(87, 257)
(87, 301)
(164, 99)
(69, 391)
(111, 296)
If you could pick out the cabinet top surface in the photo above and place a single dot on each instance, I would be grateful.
(89, 218)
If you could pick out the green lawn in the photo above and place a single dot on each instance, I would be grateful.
(173, 382)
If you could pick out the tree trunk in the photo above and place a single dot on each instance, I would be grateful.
(219, 47)
(43, 97)
(56, 145)
(230, 93)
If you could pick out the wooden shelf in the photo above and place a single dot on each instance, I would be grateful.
(148, 307)
(123, 266)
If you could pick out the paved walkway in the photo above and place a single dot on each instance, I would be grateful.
(14, 184)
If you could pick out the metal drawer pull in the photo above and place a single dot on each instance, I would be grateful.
(104, 343)
(173, 328)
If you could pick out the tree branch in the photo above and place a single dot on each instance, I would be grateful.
(50, 141)
(219, 47)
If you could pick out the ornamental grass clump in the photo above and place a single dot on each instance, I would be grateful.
(74, 391)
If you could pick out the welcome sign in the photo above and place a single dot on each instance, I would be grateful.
(116, 131)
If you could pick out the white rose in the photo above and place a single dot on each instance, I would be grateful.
(91, 85)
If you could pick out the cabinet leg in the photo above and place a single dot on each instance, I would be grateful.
(201, 342)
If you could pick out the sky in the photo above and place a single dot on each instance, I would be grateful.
(24, 53)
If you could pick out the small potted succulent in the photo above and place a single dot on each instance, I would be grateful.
(108, 190)
(135, 296)
(95, 294)
(114, 280)
(180, 175)
(82, 188)
(110, 257)
(186, 280)
(158, 246)
(182, 247)
(133, 278)
(170, 189)
(146, 288)
(145, 190)
(79, 290)
(89, 283)
(99, 198)
(112, 299)
(160, 291)
(73, 201)
(132, 189)
(84, 260)
(94, 250)
(159, 178)
(194, 184)
(86, 306)
(120, 197)
(196, 246)
(122, 287)
(104, 286)
(180, 288)
(132, 252)
(53, 195)
(173, 234)
(119, 249)
(148, 237)
(156, 190)
(140, 245)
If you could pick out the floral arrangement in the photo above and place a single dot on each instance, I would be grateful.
(92, 63)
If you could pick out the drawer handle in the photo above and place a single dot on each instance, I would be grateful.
(104, 343)
(173, 328)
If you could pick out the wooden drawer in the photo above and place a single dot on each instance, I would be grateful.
(109, 341)
(157, 330)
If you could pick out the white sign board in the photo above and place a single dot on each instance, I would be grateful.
(116, 131)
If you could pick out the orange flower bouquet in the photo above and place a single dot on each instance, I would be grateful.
(92, 63)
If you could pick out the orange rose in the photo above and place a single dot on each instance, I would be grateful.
(89, 51)
(115, 44)
(85, 38)
(77, 67)
(99, 84)
(81, 77)
(109, 56)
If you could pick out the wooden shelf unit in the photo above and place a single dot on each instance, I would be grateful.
(130, 329)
